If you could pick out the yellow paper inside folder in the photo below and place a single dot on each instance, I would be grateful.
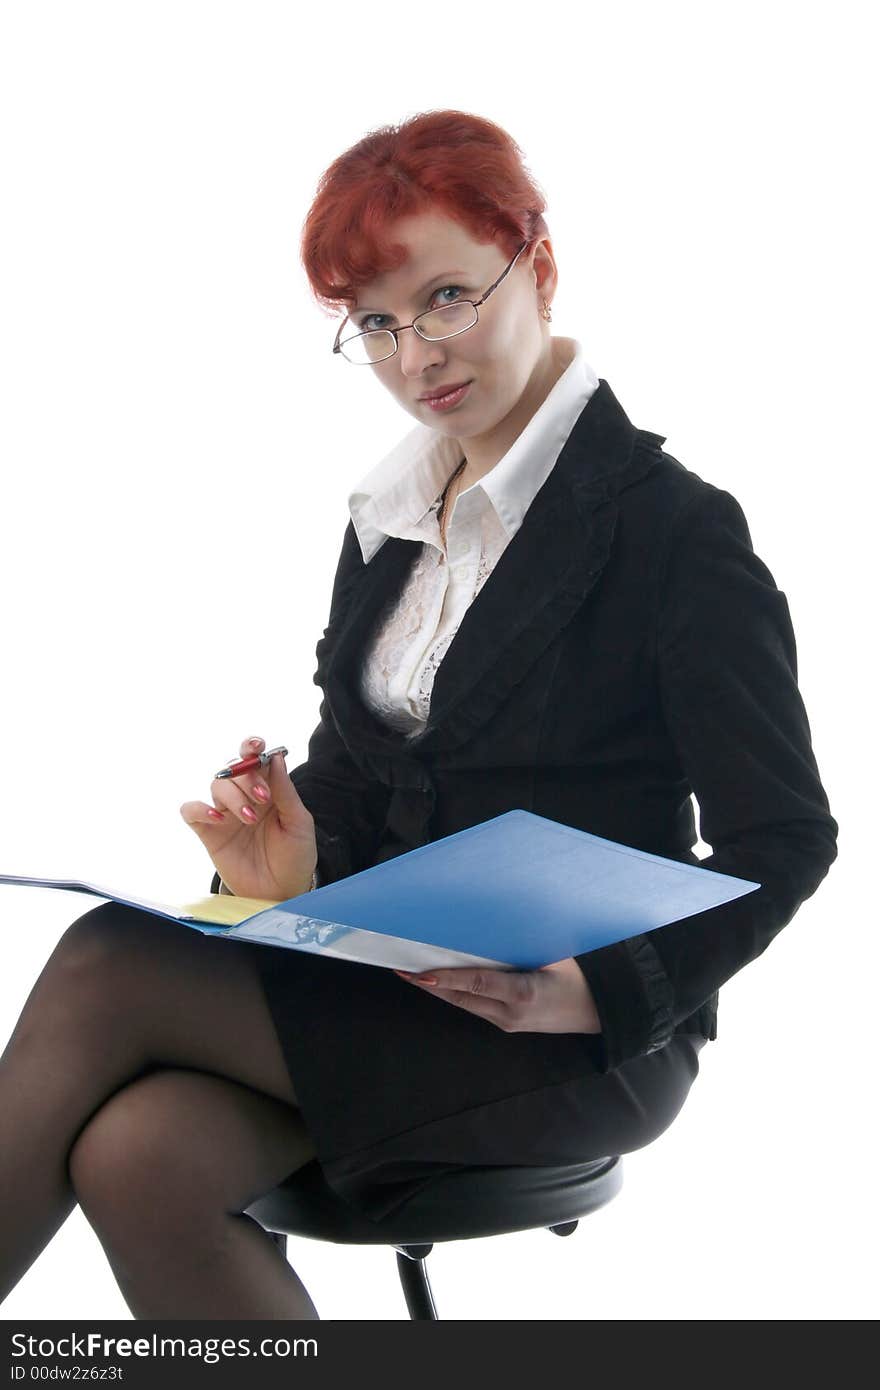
(225, 909)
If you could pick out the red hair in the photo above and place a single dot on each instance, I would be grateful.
(462, 166)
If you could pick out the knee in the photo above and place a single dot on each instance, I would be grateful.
(81, 978)
(89, 940)
(95, 949)
(129, 1166)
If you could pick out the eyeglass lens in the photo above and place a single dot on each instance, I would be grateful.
(436, 324)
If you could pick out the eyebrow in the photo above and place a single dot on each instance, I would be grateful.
(444, 274)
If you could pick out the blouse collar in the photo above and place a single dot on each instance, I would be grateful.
(399, 495)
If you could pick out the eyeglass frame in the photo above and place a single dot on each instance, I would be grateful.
(337, 346)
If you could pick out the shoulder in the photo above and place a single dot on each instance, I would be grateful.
(672, 500)
(669, 484)
(350, 566)
(705, 548)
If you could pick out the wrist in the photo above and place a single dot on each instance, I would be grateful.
(313, 884)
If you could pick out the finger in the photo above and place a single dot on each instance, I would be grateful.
(229, 796)
(254, 784)
(263, 786)
(284, 794)
(250, 795)
(252, 788)
(489, 1009)
(491, 984)
(198, 815)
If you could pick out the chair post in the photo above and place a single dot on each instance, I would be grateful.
(414, 1280)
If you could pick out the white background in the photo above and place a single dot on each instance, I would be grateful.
(178, 445)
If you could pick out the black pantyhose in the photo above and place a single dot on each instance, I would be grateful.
(144, 1079)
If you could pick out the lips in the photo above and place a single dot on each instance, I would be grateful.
(442, 391)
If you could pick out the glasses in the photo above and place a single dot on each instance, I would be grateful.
(366, 349)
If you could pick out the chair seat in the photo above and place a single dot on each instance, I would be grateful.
(471, 1203)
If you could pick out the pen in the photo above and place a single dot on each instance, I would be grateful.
(239, 765)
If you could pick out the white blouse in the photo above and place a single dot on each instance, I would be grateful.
(400, 496)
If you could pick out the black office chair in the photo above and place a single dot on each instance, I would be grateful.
(464, 1205)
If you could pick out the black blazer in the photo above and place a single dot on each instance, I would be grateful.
(629, 648)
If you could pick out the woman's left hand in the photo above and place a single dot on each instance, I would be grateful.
(554, 999)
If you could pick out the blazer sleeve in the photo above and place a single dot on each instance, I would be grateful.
(348, 808)
(727, 672)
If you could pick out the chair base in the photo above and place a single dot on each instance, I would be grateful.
(463, 1205)
(413, 1272)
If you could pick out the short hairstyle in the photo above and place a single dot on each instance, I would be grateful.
(450, 162)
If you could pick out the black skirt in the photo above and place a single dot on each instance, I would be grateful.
(397, 1086)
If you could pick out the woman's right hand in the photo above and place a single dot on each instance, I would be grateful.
(261, 848)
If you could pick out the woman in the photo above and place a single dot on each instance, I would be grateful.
(534, 607)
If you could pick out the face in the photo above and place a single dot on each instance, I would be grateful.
(505, 356)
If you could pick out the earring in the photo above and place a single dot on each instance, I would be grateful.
(545, 312)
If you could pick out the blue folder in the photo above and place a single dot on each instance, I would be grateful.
(516, 892)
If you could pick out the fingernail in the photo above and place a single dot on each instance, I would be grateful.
(261, 793)
(215, 815)
(248, 813)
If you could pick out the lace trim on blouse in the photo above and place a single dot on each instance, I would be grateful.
(414, 611)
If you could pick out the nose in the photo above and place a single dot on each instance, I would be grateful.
(416, 354)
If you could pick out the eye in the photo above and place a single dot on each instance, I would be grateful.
(368, 322)
(444, 288)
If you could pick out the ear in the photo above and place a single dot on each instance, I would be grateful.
(543, 264)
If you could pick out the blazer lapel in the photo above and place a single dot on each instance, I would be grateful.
(541, 579)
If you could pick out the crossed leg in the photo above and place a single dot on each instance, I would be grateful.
(163, 1173)
(144, 1077)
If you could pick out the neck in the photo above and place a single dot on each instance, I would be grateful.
(482, 452)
